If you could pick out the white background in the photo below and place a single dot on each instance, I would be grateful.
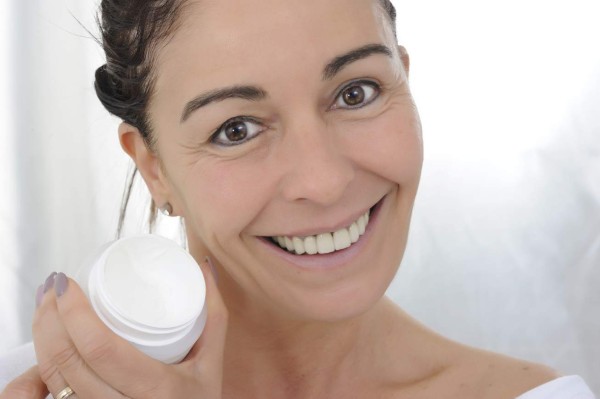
(504, 252)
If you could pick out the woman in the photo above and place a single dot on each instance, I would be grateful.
(270, 124)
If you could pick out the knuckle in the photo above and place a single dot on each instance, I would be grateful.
(66, 358)
(97, 349)
(47, 371)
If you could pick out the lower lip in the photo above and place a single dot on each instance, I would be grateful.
(332, 260)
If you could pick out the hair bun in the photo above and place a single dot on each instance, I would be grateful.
(109, 92)
(105, 84)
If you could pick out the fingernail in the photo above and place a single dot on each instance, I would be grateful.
(39, 294)
(49, 283)
(60, 284)
(212, 269)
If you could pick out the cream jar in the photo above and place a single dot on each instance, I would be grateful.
(151, 292)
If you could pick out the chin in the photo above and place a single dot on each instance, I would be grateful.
(345, 307)
(339, 302)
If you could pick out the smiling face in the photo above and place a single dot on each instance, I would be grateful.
(277, 119)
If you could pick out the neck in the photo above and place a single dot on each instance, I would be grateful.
(274, 357)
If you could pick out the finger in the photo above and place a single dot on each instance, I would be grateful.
(211, 344)
(59, 362)
(28, 385)
(44, 326)
(111, 357)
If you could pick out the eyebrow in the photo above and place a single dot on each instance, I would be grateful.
(254, 93)
(250, 93)
(340, 62)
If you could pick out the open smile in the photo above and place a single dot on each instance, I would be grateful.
(325, 243)
(327, 249)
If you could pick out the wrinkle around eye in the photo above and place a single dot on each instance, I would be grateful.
(198, 156)
(210, 152)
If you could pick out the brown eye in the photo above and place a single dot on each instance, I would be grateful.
(237, 131)
(357, 95)
(353, 95)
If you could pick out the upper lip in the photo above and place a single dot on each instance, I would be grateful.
(327, 228)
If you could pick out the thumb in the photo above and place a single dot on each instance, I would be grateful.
(208, 350)
(28, 385)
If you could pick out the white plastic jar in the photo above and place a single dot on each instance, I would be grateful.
(150, 291)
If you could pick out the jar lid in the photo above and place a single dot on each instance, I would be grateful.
(151, 281)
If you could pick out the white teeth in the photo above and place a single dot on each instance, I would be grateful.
(325, 243)
(354, 234)
(362, 225)
(289, 244)
(310, 245)
(299, 245)
(341, 239)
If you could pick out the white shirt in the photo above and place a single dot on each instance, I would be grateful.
(22, 358)
(568, 387)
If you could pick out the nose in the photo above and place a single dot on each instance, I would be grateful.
(315, 167)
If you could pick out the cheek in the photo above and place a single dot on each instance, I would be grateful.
(224, 197)
(391, 145)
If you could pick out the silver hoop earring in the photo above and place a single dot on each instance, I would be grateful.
(166, 209)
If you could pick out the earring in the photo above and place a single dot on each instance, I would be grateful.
(166, 209)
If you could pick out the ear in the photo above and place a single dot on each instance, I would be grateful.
(147, 162)
(405, 59)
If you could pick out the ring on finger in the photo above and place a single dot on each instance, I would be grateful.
(65, 393)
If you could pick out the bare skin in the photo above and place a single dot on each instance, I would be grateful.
(393, 364)
(314, 163)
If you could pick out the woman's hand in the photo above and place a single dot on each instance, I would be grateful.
(74, 348)
(28, 385)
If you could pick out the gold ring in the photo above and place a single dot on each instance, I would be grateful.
(65, 393)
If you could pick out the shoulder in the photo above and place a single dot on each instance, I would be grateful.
(450, 369)
(499, 376)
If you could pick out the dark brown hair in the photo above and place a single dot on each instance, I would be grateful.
(131, 31)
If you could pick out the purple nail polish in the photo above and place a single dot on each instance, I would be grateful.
(49, 283)
(39, 295)
(61, 282)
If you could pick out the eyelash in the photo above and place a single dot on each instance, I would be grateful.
(220, 132)
(372, 85)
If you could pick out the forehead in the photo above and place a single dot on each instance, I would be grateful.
(241, 41)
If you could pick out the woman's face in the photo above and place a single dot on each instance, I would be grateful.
(289, 119)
